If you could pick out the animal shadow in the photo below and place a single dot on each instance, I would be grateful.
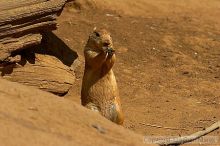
(50, 45)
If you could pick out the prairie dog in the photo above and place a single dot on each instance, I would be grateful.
(99, 88)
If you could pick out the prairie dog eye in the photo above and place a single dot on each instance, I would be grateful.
(97, 34)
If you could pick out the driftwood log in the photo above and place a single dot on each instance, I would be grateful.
(22, 21)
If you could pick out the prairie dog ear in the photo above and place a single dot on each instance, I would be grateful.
(94, 29)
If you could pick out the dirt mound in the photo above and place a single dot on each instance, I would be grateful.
(29, 116)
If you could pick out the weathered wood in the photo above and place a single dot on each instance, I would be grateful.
(22, 23)
(9, 45)
(20, 19)
(48, 25)
(6, 29)
(12, 4)
(41, 71)
(44, 8)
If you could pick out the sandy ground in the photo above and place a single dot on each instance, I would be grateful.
(168, 59)
(31, 117)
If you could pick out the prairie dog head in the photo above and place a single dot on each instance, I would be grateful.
(100, 40)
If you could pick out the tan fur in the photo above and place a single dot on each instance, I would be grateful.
(99, 88)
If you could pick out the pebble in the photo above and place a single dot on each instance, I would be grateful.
(99, 128)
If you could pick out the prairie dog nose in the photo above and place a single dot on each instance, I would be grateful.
(106, 44)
